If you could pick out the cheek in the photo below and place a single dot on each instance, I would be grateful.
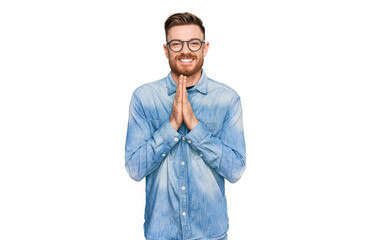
(172, 57)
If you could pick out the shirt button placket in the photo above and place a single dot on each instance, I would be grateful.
(183, 191)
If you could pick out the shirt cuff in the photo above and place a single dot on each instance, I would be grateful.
(197, 134)
(169, 134)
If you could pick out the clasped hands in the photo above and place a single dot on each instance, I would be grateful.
(182, 109)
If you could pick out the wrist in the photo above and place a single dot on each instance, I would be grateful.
(193, 124)
(174, 124)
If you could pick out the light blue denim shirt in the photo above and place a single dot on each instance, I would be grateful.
(185, 170)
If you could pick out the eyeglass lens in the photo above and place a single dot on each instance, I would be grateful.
(193, 45)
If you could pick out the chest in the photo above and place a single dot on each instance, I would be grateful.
(209, 109)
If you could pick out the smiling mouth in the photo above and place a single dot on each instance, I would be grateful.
(184, 60)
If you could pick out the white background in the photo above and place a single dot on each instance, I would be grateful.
(68, 69)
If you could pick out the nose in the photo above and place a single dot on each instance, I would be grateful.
(185, 48)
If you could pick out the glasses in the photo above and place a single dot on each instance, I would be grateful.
(177, 45)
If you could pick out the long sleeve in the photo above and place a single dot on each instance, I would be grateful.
(145, 151)
(227, 154)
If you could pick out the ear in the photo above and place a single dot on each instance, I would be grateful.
(206, 48)
(166, 51)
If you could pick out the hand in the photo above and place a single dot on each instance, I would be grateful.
(189, 117)
(176, 117)
(182, 109)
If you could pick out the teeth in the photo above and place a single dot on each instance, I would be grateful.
(186, 60)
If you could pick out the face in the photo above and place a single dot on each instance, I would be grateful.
(186, 62)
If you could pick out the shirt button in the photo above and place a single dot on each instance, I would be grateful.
(176, 139)
(183, 188)
(201, 155)
(184, 213)
(164, 155)
(182, 163)
(189, 141)
(183, 138)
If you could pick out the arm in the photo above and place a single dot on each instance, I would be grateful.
(227, 154)
(145, 151)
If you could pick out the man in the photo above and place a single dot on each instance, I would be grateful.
(185, 135)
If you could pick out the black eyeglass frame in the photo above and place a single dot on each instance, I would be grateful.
(202, 42)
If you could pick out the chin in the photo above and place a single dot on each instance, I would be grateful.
(186, 72)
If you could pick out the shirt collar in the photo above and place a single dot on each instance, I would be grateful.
(200, 86)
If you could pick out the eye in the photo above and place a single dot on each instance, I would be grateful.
(195, 43)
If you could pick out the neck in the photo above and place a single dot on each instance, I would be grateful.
(191, 80)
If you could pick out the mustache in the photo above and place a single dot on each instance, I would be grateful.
(186, 56)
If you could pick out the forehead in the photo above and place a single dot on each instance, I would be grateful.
(185, 32)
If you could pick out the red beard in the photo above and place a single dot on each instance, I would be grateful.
(186, 70)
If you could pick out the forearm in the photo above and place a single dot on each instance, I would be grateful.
(227, 157)
(143, 156)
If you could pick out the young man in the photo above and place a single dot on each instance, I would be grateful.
(185, 135)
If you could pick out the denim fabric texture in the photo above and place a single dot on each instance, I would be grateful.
(185, 170)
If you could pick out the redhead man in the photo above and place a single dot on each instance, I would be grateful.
(185, 136)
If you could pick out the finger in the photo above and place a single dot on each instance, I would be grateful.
(178, 94)
(180, 85)
(180, 79)
(184, 95)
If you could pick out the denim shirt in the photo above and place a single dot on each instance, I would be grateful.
(185, 170)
